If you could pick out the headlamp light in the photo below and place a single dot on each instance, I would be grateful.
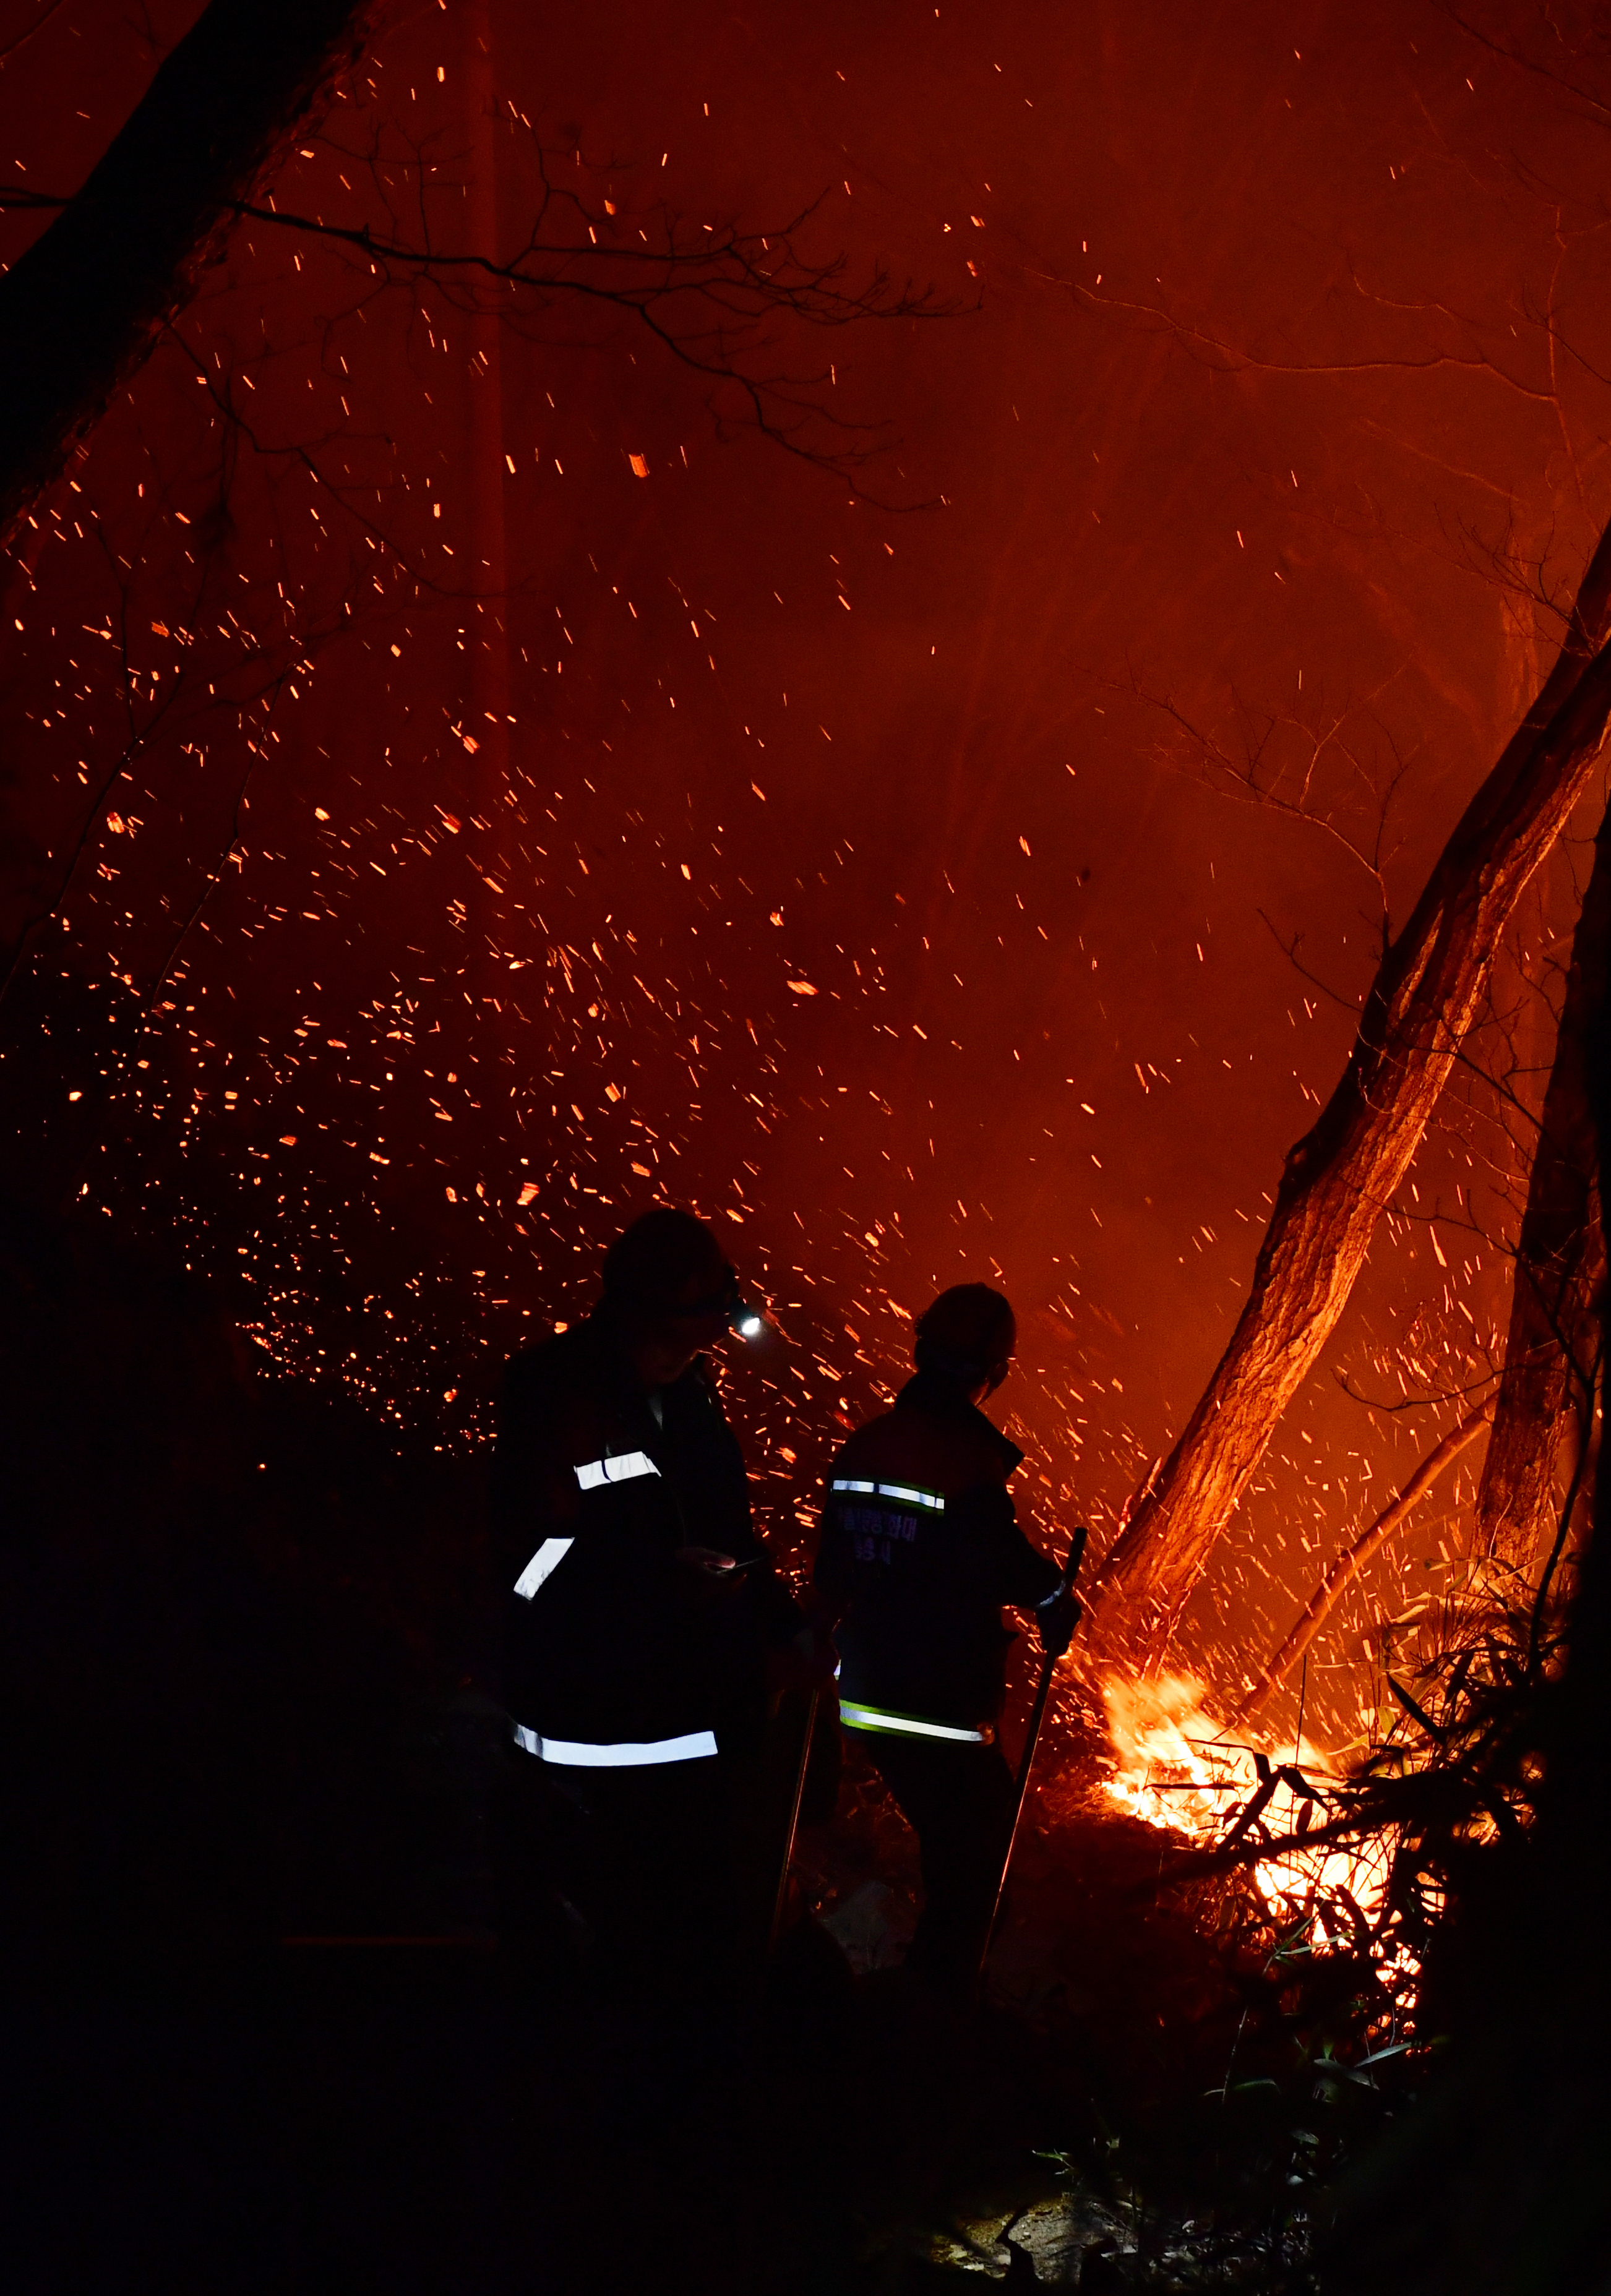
(742, 1315)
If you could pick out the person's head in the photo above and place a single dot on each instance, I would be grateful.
(670, 1291)
(967, 1337)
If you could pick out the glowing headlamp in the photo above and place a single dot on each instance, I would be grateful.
(742, 1315)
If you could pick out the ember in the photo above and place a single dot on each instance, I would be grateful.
(445, 456)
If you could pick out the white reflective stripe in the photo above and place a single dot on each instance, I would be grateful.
(543, 1564)
(597, 1473)
(903, 1491)
(577, 1754)
(874, 1717)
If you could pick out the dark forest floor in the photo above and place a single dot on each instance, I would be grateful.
(386, 2103)
(257, 2032)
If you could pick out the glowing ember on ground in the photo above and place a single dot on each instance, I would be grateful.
(1176, 1768)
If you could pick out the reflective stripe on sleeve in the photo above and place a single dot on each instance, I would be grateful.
(597, 1473)
(905, 1726)
(907, 1493)
(577, 1754)
(543, 1564)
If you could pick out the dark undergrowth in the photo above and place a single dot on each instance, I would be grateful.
(1200, 2077)
(259, 2034)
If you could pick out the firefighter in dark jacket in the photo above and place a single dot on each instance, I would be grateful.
(639, 1609)
(920, 1549)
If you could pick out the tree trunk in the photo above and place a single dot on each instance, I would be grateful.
(1493, 2180)
(1342, 1175)
(83, 307)
(1548, 1378)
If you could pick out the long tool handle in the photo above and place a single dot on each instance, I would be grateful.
(1037, 1715)
(780, 1896)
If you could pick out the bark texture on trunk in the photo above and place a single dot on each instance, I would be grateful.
(1341, 1175)
(82, 308)
(1353, 1559)
(1547, 1386)
(1494, 2178)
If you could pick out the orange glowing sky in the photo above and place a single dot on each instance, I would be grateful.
(876, 875)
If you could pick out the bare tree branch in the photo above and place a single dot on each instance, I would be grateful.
(703, 294)
(1353, 1559)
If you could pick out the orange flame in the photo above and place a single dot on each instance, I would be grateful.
(1175, 1769)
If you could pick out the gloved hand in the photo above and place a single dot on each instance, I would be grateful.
(806, 1662)
(708, 1561)
(1056, 1618)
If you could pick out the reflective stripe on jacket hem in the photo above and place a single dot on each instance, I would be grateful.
(624, 1468)
(543, 1564)
(906, 1726)
(577, 1754)
(908, 1494)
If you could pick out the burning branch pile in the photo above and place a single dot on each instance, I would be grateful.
(1358, 1863)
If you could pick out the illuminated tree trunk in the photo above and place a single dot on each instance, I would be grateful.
(1494, 2178)
(83, 307)
(1551, 1348)
(1548, 1375)
(1342, 1175)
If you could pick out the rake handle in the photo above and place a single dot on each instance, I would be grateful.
(1048, 1665)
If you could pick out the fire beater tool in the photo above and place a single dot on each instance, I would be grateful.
(1049, 1667)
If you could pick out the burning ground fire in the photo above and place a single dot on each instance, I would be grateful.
(1177, 1770)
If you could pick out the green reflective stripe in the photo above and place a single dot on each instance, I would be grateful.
(908, 1494)
(856, 1717)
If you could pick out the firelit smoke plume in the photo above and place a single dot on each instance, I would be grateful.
(870, 642)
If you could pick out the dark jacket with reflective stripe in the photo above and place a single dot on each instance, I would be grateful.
(919, 1589)
(621, 1642)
